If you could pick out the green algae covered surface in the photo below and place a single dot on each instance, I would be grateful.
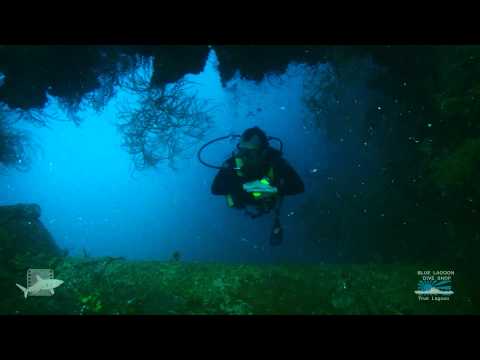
(117, 287)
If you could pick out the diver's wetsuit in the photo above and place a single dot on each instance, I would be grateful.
(285, 179)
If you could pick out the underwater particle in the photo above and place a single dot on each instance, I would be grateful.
(364, 211)
(382, 215)
(341, 140)
(129, 302)
(243, 239)
(404, 83)
(429, 125)
(313, 171)
(365, 143)
(379, 108)
(291, 213)
(19, 161)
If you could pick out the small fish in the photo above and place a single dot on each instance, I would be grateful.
(176, 256)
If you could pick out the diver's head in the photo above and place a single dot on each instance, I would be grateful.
(253, 139)
(252, 146)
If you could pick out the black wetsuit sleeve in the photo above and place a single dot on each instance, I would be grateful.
(226, 181)
(288, 182)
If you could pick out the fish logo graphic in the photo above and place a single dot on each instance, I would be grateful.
(434, 287)
(40, 282)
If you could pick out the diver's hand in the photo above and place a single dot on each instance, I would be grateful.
(258, 186)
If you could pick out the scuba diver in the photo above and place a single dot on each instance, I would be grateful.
(256, 175)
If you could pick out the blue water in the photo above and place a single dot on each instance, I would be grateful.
(93, 200)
